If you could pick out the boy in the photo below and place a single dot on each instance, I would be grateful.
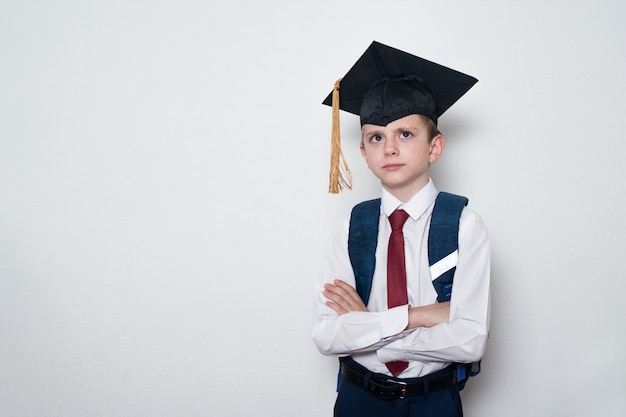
(398, 345)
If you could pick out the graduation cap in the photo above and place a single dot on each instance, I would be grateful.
(384, 85)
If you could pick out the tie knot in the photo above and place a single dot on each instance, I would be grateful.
(397, 219)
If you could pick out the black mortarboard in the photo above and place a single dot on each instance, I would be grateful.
(386, 84)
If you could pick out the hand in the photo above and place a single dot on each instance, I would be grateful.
(429, 315)
(342, 297)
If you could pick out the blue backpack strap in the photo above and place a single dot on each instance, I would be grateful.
(362, 241)
(443, 245)
(443, 242)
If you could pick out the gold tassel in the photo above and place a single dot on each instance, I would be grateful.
(340, 176)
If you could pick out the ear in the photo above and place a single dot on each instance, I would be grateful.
(364, 155)
(436, 148)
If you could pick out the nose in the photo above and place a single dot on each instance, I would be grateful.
(391, 147)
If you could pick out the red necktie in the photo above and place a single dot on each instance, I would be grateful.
(396, 274)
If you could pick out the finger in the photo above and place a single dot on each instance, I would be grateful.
(346, 296)
(347, 291)
(331, 293)
(338, 309)
(351, 294)
(339, 297)
(345, 286)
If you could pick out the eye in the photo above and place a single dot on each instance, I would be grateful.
(375, 138)
(406, 134)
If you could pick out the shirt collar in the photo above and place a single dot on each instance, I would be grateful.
(416, 206)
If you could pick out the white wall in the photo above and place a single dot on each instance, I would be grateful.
(163, 206)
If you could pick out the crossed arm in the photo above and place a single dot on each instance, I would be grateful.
(343, 299)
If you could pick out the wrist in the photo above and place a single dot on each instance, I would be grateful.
(415, 318)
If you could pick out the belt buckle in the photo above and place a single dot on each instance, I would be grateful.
(403, 390)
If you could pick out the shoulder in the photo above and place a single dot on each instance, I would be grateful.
(365, 211)
(470, 222)
(362, 214)
(472, 226)
(468, 215)
(458, 203)
(367, 205)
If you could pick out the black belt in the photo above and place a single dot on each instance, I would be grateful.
(388, 388)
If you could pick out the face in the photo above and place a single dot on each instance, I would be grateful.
(400, 154)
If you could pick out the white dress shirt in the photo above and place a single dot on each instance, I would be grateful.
(378, 336)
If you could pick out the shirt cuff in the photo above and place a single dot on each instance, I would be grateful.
(385, 353)
(389, 352)
(394, 322)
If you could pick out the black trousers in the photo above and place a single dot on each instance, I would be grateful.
(354, 401)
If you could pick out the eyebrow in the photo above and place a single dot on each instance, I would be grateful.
(395, 130)
(405, 128)
(372, 132)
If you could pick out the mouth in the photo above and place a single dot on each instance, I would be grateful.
(392, 167)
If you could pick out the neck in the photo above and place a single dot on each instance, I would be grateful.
(405, 193)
